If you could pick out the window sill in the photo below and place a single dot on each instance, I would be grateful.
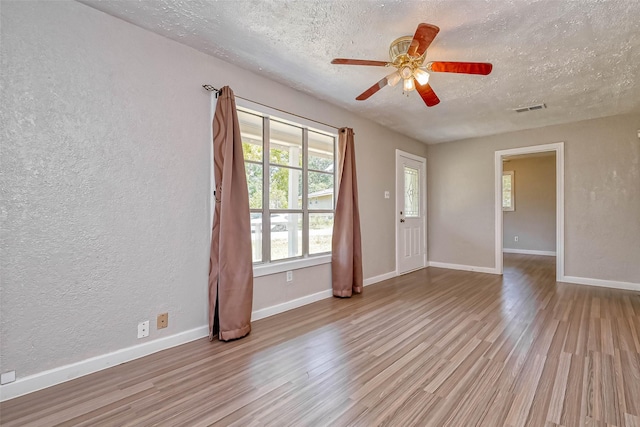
(279, 267)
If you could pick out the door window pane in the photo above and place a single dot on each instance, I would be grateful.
(286, 235)
(320, 152)
(411, 192)
(285, 144)
(251, 133)
(320, 232)
(285, 188)
(320, 194)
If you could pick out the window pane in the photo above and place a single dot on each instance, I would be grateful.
(320, 231)
(251, 132)
(256, 236)
(320, 152)
(286, 235)
(320, 190)
(286, 144)
(506, 191)
(411, 192)
(254, 183)
(285, 188)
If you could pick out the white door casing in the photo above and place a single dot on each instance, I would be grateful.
(410, 212)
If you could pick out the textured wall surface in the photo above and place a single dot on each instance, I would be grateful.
(105, 169)
(602, 197)
(534, 219)
(105, 183)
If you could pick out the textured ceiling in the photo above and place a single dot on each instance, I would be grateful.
(581, 58)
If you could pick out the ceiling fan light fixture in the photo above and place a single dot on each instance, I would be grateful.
(393, 78)
(409, 84)
(421, 76)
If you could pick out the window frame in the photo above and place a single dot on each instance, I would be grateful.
(512, 206)
(267, 265)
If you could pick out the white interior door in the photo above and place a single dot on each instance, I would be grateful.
(410, 212)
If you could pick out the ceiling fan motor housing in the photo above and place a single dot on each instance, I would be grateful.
(398, 53)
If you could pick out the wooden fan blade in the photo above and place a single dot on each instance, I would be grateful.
(425, 33)
(483, 68)
(427, 94)
(346, 61)
(373, 89)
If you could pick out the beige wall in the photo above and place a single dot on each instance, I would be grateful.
(534, 217)
(602, 197)
(105, 183)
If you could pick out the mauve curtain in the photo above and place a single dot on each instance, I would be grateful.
(346, 248)
(230, 268)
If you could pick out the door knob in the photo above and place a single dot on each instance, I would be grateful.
(402, 220)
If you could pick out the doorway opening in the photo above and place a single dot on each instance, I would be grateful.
(506, 203)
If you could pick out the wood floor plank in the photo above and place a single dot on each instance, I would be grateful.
(631, 420)
(559, 389)
(433, 347)
(630, 366)
(519, 411)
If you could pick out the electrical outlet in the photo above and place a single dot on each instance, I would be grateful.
(143, 329)
(8, 377)
(515, 238)
(163, 320)
(386, 194)
(289, 276)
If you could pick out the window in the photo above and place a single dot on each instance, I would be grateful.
(508, 196)
(291, 180)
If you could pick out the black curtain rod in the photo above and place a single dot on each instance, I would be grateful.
(217, 91)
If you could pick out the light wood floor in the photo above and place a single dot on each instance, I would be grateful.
(434, 347)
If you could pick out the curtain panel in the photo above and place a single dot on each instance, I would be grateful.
(346, 247)
(231, 265)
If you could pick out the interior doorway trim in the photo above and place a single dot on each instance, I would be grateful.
(423, 206)
(558, 148)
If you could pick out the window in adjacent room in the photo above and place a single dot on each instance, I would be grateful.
(291, 180)
(508, 198)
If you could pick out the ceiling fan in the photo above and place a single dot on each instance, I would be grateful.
(407, 54)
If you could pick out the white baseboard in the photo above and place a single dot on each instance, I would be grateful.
(69, 372)
(379, 278)
(527, 252)
(290, 305)
(490, 270)
(599, 282)
(308, 299)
